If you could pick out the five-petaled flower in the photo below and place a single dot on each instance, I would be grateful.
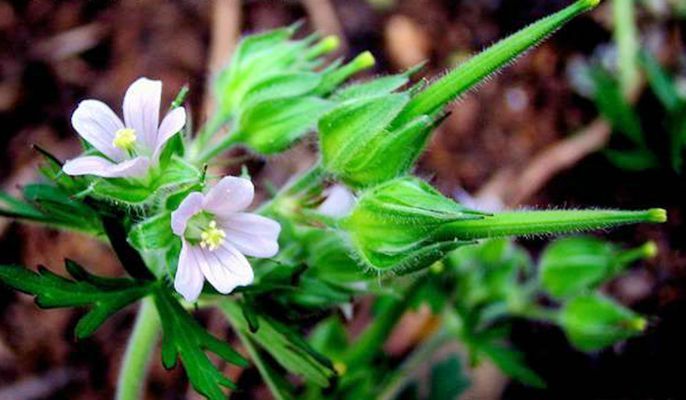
(216, 236)
(128, 149)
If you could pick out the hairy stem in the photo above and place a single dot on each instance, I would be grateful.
(522, 223)
(418, 358)
(134, 367)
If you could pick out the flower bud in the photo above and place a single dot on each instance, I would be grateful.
(592, 322)
(392, 225)
(572, 265)
(358, 145)
(274, 91)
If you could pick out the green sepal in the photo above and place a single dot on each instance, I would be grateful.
(273, 125)
(153, 233)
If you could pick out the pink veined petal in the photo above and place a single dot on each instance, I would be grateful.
(97, 124)
(339, 202)
(172, 123)
(142, 110)
(190, 206)
(189, 279)
(224, 268)
(252, 234)
(98, 166)
(230, 195)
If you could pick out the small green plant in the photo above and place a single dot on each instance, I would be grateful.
(626, 121)
(354, 224)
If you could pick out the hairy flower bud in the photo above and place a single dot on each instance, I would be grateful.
(274, 91)
(572, 265)
(360, 148)
(392, 225)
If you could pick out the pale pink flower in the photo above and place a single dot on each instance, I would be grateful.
(216, 236)
(338, 203)
(128, 148)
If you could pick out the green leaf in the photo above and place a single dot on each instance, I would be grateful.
(661, 83)
(277, 382)
(285, 345)
(633, 160)
(448, 380)
(104, 296)
(511, 362)
(52, 206)
(184, 338)
(15, 208)
(611, 102)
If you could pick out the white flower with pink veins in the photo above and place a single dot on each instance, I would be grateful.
(216, 236)
(128, 149)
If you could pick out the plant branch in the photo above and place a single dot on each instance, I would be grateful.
(134, 367)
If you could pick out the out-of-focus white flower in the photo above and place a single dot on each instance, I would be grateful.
(128, 148)
(216, 236)
(338, 203)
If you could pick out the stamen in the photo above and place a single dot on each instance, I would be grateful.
(125, 139)
(212, 237)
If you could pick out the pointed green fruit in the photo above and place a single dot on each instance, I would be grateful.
(392, 226)
(593, 322)
(434, 98)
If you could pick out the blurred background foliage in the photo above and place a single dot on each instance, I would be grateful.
(595, 116)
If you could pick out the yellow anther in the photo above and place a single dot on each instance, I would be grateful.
(125, 139)
(340, 368)
(212, 237)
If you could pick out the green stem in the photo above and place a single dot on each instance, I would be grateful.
(205, 135)
(134, 366)
(522, 223)
(368, 344)
(465, 76)
(306, 181)
(626, 37)
(419, 357)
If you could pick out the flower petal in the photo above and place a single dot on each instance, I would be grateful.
(190, 206)
(225, 268)
(97, 123)
(172, 123)
(231, 194)
(98, 166)
(189, 279)
(142, 110)
(252, 234)
(339, 202)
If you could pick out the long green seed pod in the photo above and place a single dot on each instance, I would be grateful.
(467, 75)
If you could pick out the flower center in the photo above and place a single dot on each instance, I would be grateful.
(125, 139)
(212, 237)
